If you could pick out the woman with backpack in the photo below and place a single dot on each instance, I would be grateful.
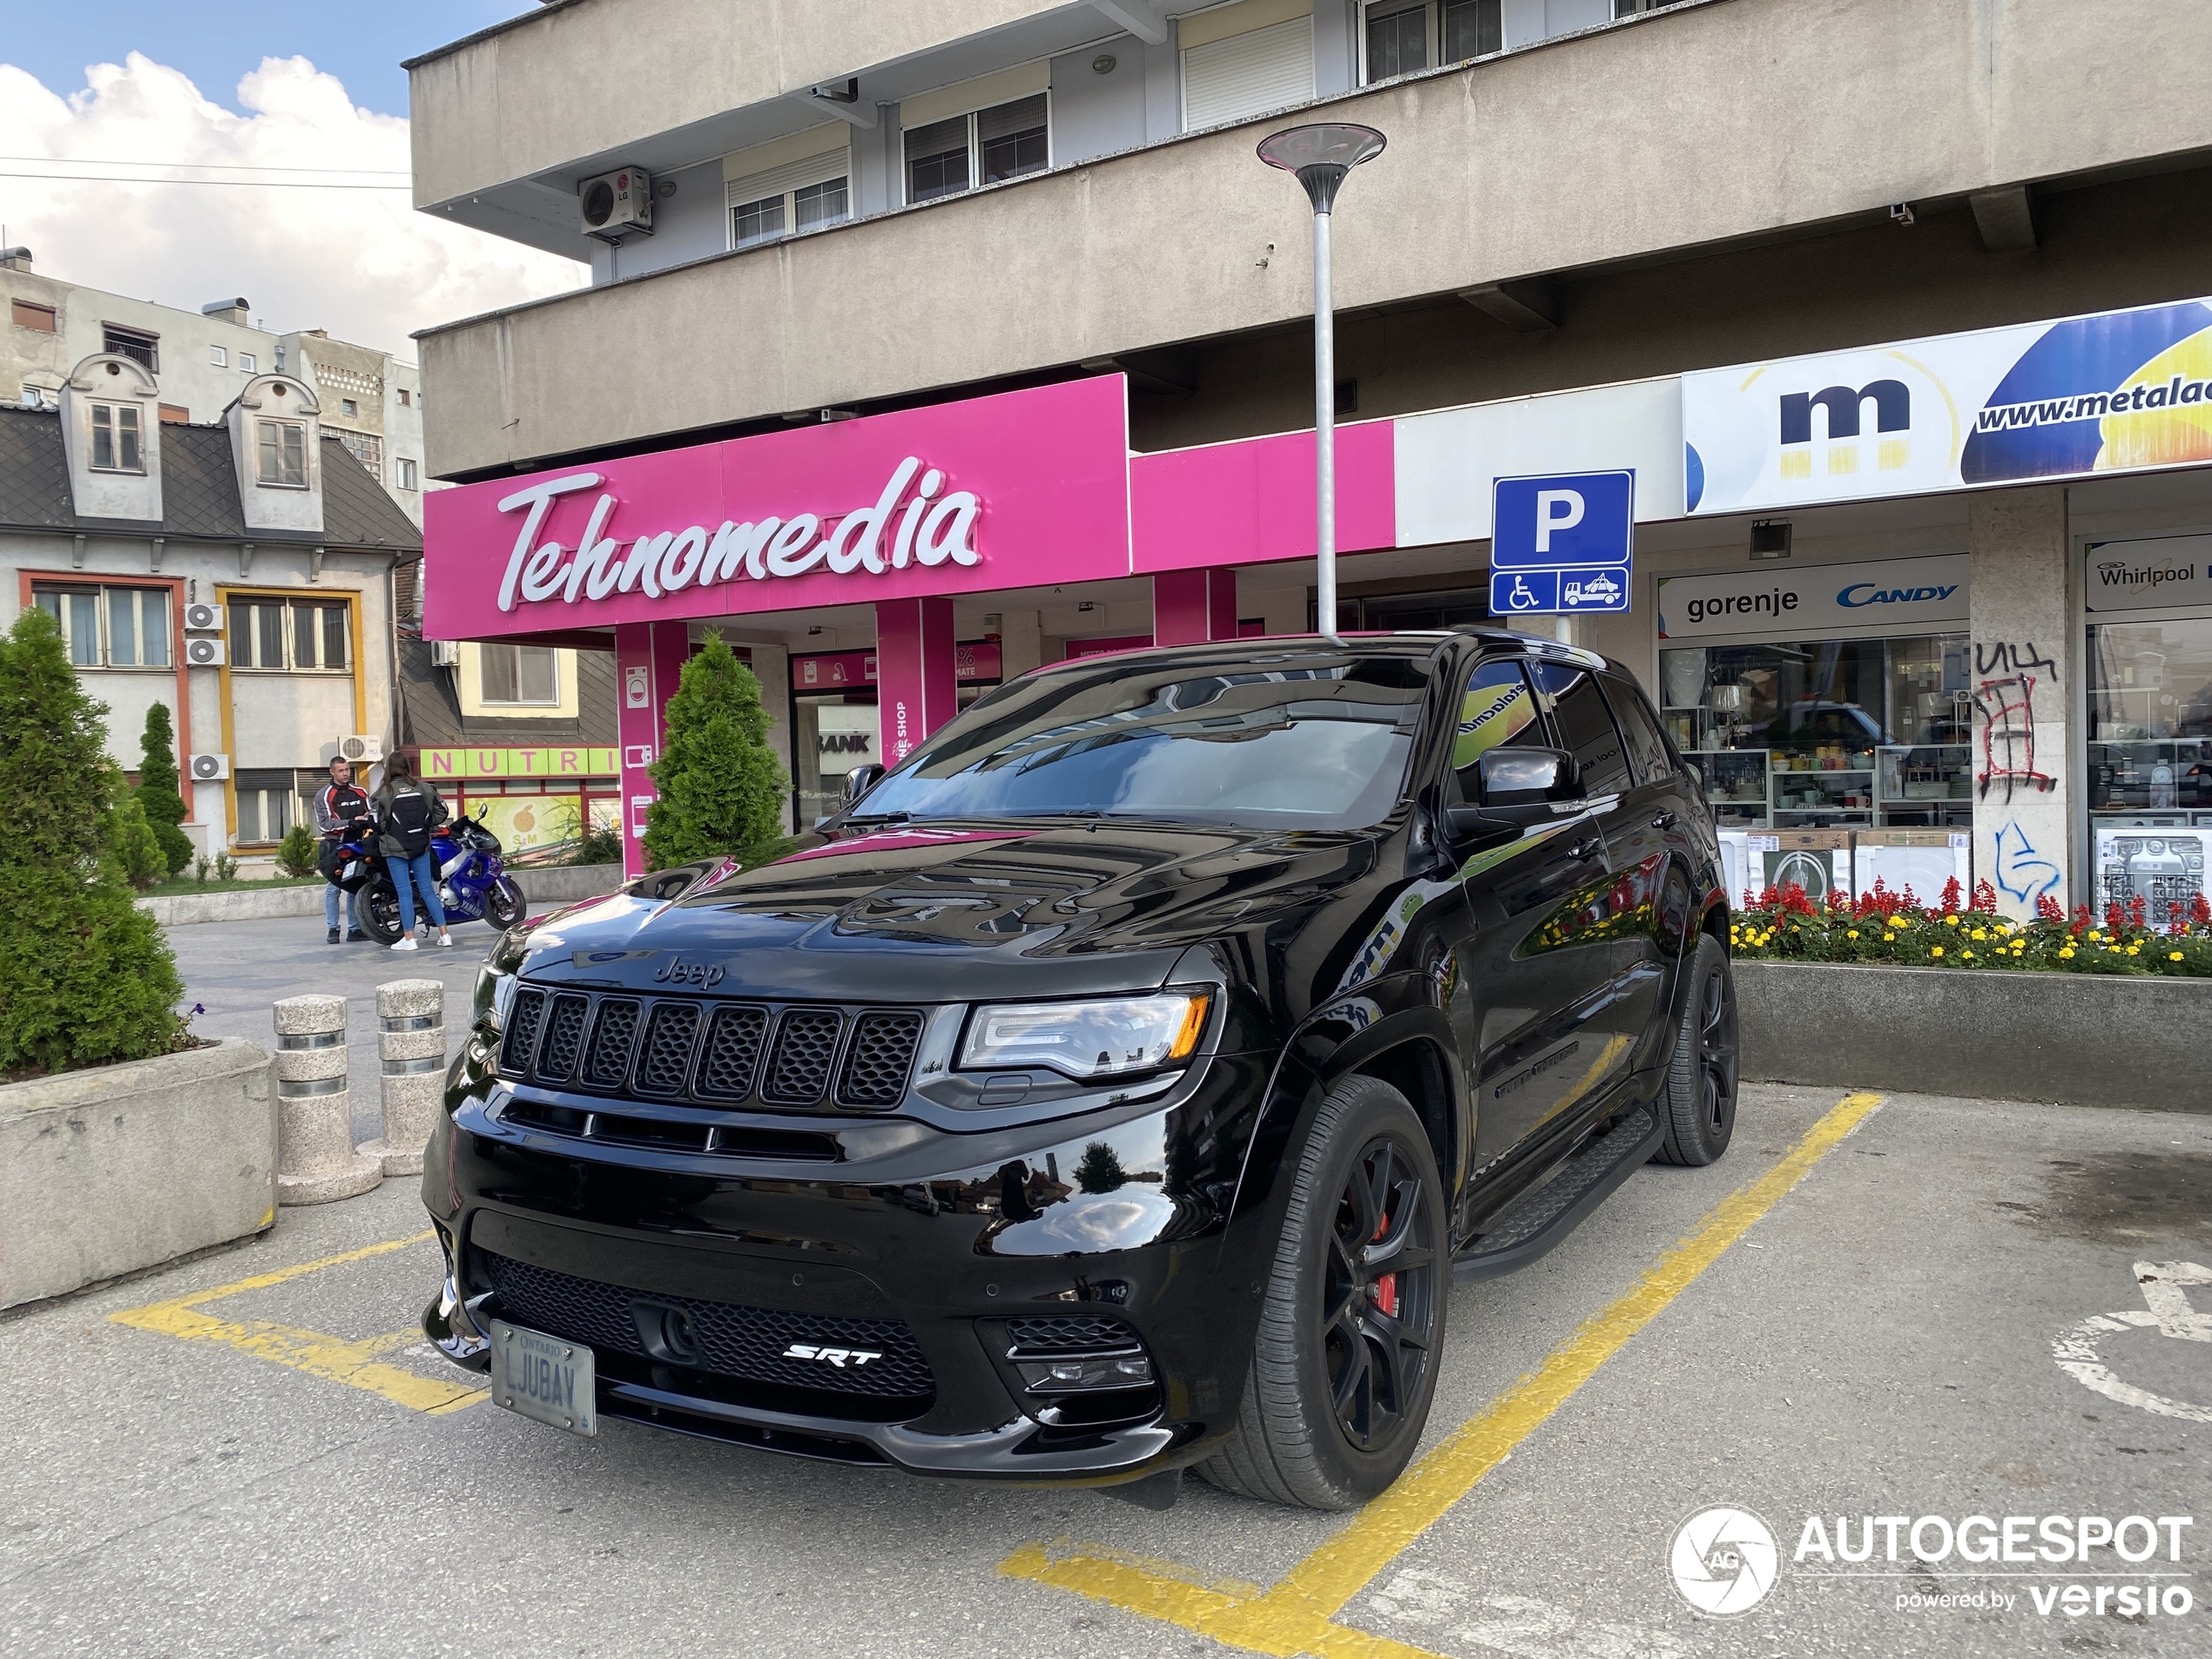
(408, 808)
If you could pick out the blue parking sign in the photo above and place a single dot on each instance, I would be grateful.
(1562, 542)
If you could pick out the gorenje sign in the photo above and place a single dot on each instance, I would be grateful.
(1024, 489)
(1818, 600)
(2120, 391)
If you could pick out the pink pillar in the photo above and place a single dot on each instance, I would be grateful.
(916, 681)
(1190, 607)
(648, 658)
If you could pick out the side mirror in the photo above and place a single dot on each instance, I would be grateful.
(860, 780)
(1526, 778)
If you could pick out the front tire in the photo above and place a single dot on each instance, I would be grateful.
(1699, 1104)
(1351, 1328)
(505, 905)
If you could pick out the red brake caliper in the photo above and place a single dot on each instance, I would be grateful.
(1385, 1288)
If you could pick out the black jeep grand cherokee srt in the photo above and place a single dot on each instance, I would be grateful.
(1118, 1085)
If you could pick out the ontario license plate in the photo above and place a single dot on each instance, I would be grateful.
(547, 1378)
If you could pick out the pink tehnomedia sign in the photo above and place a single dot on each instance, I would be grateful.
(1020, 489)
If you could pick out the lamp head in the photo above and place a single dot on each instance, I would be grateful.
(1321, 155)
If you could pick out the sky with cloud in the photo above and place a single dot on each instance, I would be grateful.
(357, 261)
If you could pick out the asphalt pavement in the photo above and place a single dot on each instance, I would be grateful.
(1823, 1324)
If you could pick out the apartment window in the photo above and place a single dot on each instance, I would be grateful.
(1240, 74)
(351, 409)
(284, 454)
(301, 634)
(801, 195)
(265, 804)
(114, 438)
(40, 318)
(365, 448)
(136, 344)
(986, 147)
(407, 474)
(110, 627)
(407, 398)
(219, 356)
(520, 674)
(1398, 39)
(248, 363)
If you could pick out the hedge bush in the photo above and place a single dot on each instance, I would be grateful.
(1785, 924)
(158, 792)
(86, 977)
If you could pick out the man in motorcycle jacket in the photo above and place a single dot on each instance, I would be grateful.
(340, 806)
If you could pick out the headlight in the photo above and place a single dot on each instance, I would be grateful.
(495, 995)
(1087, 1040)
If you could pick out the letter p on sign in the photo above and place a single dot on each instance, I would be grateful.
(1556, 509)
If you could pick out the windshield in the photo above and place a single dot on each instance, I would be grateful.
(1314, 746)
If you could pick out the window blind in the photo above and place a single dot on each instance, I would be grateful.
(792, 175)
(1227, 80)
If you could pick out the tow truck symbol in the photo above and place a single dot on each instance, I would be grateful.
(1597, 589)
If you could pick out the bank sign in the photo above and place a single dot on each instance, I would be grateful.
(1818, 600)
(2121, 391)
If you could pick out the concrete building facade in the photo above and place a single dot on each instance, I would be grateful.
(1898, 327)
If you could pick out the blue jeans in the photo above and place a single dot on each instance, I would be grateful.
(407, 876)
(331, 894)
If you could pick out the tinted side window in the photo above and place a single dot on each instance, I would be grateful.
(1498, 708)
(1585, 727)
(1647, 757)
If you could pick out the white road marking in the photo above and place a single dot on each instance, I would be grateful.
(2169, 1309)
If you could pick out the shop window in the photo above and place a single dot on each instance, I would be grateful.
(110, 627)
(283, 454)
(1400, 39)
(136, 344)
(114, 438)
(1584, 726)
(986, 147)
(2150, 721)
(265, 805)
(38, 318)
(519, 674)
(267, 632)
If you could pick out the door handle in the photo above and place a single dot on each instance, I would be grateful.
(1663, 820)
(1589, 848)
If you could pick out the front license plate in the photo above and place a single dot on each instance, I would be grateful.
(543, 1377)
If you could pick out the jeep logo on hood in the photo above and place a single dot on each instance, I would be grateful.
(677, 971)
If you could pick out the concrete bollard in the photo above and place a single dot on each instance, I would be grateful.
(316, 1158)
(411, 1044)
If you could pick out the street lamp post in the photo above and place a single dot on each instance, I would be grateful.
(1321, 155)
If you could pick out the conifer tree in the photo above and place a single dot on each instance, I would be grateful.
(721, 789)
(86, 978)
(158, 793)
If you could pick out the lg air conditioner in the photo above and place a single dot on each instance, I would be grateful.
(445, 653)
(204, 653)
(360, 746)
(209, 769)
(618, 204)
(203, 619)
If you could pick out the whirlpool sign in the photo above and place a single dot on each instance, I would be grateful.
(1817, 602)
(2122, 391)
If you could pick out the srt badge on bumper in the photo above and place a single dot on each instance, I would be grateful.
(839, 1357)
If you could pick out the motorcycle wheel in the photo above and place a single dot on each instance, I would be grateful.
(505, 905)
(380, 912)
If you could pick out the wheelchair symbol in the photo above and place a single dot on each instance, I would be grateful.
(1520, 598)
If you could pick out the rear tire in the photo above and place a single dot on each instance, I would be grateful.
(380, 912)
(1699, 1104)
(1352, 1327)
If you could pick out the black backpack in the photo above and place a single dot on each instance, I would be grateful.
(409, 818)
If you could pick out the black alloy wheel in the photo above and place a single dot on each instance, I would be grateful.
(1350, 1328)
(505, 905)
(1378, 1297)
(380, 912)
(1700, 1098)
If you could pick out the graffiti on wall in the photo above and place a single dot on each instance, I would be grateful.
(2022, 873)
(2004, 699)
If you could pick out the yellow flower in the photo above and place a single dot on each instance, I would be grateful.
(2135, 950)
(1951, 921)
(1980, 932)
(1889, 938)
(1935, 950)
(2066, 953)
(2172, 955)
(1853, 933)
(1968, 956)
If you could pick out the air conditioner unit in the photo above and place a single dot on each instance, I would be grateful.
(618, 204)
(209, 769)
(203, 619)
(445, 653)
(204, 653)
(360, 746)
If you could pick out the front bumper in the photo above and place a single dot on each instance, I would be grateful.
(944, 1252)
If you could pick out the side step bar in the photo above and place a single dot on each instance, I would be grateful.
(1540, 1217)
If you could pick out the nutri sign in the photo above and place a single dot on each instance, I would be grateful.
(1020, 489)
(1817, 602)
(2120, 391)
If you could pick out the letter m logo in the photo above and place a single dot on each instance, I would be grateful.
(1892, 410)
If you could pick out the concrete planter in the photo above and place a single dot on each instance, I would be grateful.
(543, 886)
(2082, 1039)
(106, 1171)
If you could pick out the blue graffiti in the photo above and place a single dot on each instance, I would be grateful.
(2021, 873)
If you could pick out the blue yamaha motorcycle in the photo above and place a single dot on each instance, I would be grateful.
(472, 884)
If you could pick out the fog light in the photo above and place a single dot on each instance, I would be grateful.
(1077, 1376)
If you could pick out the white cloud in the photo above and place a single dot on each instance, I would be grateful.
(361, 263)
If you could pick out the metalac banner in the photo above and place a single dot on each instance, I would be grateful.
(2122, 391)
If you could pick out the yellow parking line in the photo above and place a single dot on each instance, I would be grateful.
(334, 1358)
(1297, 1616)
